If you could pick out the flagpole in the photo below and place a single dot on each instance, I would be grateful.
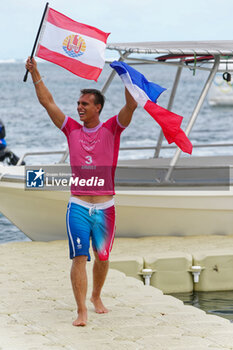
(37, 37)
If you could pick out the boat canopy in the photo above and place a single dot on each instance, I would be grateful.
(212, 47)
(182, 54)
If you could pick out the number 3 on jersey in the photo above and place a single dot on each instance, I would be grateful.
(88, 160)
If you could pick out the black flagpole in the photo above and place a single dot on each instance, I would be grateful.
(37, 37)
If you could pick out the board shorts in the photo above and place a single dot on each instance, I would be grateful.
(86, 220)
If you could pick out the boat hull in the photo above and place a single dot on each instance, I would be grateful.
(41, 214)
(181, 213)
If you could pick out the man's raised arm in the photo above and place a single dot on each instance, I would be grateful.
(44, 96)
(126, 112)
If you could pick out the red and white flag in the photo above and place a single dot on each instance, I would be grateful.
(74, 46)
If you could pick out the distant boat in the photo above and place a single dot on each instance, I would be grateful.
(221, 91)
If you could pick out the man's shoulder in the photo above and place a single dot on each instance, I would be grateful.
(74, 122)
(113, 124)
(110, 121)
(70, 124)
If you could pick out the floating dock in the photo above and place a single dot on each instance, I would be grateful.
(178, 264)
(37, 307)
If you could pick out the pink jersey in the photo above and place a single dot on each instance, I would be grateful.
(93, 156)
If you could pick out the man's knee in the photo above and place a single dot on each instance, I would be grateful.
(81, 259)
(97, 259)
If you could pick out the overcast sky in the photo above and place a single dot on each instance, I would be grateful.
(127, 20)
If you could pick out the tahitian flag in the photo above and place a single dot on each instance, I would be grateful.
(146, 94)
(74, 46)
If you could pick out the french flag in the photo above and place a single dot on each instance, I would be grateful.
(146, 94)
(74, 46)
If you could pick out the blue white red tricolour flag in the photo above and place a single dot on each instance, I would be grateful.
(146, 94)
(74, 46)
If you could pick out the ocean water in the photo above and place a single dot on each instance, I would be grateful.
(214, 303)
(29, 128)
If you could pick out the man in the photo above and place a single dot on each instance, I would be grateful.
(91, 213)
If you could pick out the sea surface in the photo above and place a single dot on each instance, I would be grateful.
(28, 128)
(214, 303)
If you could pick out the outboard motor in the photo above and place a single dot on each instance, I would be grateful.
(5, 153)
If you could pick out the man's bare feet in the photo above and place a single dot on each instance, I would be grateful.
(81, 320)
(99, 306)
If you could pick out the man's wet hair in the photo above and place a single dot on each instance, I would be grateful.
(99, 97)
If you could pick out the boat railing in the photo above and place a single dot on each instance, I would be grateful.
(65, 153)
(203, 145)
(27, 154)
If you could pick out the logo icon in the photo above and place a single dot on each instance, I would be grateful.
(35, 178)
(74, 45)
(79, 241)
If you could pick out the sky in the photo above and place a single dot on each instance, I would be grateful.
(127, 20)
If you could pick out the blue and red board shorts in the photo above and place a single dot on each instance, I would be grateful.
(86, 220)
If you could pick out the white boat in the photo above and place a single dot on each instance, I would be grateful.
(177, 196)
(221, 90)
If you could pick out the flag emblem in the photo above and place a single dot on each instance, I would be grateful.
(74, 45)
